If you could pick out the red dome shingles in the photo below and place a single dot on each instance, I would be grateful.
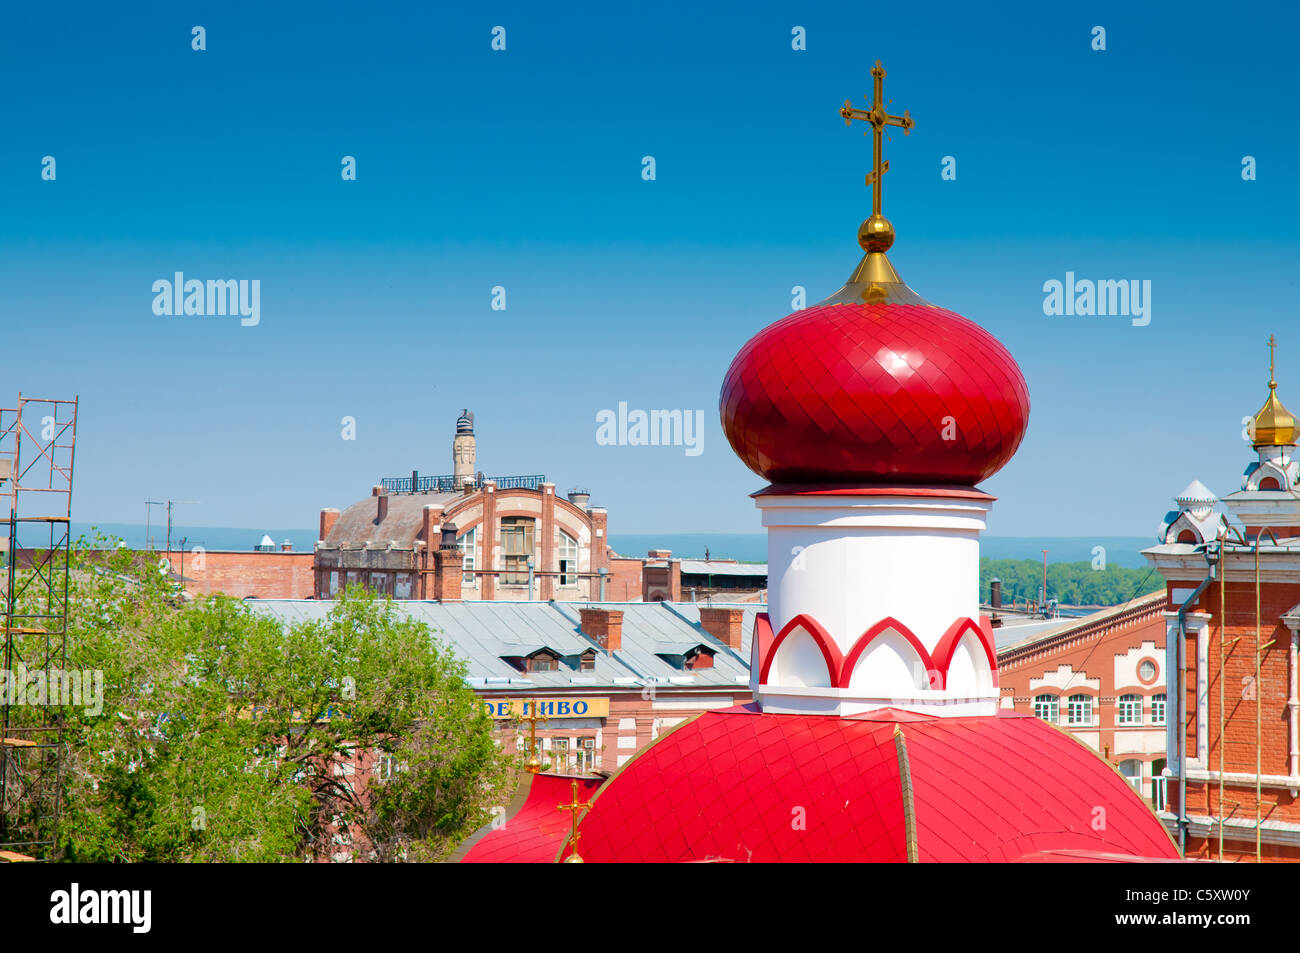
(744, 814)
(1058, 816)
(808, 400)
(727, 786)
(536, 832)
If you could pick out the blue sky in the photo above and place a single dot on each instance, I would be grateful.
(522, 169)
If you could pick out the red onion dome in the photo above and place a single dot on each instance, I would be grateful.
(874, 385)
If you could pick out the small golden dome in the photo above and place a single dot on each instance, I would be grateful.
(1275, 426)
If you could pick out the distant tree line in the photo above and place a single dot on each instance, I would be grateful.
(1074, 584)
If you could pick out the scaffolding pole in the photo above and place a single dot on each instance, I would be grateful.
(37, 449)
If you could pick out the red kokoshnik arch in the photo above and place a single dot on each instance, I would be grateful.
(867, 392)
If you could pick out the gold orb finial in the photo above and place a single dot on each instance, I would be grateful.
(876, 234)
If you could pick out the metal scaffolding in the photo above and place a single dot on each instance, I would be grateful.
(37, 441)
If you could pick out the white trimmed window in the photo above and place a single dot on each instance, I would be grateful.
(1158, 709)
(1130, 709)
(1159, 784)
(587, 755)
(467, 543)
(568, 560)
(560, 762)
(1079, 710)
(1131, 769)
(386, 767)
(1048, 708)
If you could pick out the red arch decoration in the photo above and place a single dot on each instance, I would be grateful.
(865, 640)
(830, 651)
(841, 668)
(943, 652)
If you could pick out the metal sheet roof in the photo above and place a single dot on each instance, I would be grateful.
(713, 567)
(481, 633)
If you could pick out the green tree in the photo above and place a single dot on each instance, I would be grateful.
(225, 736)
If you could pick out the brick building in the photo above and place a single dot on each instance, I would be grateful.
(517, 540)
(1102, 679)
(260, 573)
(658, 576)
(1233, 738)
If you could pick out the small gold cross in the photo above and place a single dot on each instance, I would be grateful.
(573, 807)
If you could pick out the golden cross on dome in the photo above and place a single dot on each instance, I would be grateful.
(1272, 346)
(534, 763)
(879, 119)
(573, 807)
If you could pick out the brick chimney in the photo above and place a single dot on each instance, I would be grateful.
(381, 511)
(430, 518)
(426, 548)
(448, 566)
(604, 626)
(328, 517)
(725, 625)
(659, 583)
(286, 547)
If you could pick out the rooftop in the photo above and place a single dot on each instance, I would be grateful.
(484, 634)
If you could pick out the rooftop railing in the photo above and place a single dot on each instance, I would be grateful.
(447, 483)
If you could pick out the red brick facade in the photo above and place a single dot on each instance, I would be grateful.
(263, 575)
(1249, 706)
(386, 543)
(1101, 658)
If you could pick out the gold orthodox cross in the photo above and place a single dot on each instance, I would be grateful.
(573, 807)
(534, 763)
(1272, 378)
(879, 119)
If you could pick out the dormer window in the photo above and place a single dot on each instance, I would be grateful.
(587, 662)
(543, 660)
(698, 657)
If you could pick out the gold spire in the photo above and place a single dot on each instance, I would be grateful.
(874, 280)
(1275, 426)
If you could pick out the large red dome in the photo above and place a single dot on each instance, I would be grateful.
(856, 392)
(739, 785)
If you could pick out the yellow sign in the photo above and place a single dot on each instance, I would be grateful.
(547, 707)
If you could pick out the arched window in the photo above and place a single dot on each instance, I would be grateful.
(1130, 709)
(568, 560)
(467, 543)
(1269, 483)
(1158, 709)
(1131, 769)
(1187, 536)
(1048, 708)
(1079, 710)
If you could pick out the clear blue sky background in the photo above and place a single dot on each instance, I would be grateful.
(522, 169)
